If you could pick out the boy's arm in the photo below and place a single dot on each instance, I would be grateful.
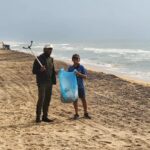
(84, 76)
(83, 73)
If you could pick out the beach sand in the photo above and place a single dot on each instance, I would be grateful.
(120, 112)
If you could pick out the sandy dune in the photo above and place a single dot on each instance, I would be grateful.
(120, 111)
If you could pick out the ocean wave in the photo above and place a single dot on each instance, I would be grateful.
(14, 43)
(120, 51)
(37, 47)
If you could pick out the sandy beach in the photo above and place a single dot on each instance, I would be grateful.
(120, 112)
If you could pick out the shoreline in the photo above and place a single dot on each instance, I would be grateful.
(120, 75)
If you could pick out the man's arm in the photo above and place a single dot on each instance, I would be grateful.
(37, 69)
(54, 75)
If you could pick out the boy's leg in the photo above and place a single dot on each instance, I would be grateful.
(75, 104)
(81, 92)
(86, 115)
(84, 103)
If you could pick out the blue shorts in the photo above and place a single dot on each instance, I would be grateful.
(81, 92)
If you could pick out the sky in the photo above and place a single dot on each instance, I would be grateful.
(75, 20)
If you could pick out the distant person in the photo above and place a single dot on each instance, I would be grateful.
(81, 74)
(45, 77)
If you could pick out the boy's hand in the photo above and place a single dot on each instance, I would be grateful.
(78, 73)
(43, 69)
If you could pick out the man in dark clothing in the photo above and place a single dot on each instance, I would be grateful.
(45, 77)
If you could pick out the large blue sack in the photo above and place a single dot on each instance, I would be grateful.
(68, 86)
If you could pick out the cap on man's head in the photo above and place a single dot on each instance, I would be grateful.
(48, 46)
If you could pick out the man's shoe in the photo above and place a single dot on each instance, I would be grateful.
(38, 120)
(76, 116)
(47, 120)
(86, 116)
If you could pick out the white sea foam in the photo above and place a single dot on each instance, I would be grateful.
(13, 43)
(120, 51)
(38, 47)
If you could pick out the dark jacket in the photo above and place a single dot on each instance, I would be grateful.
(43, 77)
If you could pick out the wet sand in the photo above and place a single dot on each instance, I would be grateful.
(120, 112)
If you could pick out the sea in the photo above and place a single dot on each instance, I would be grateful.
(131, 61)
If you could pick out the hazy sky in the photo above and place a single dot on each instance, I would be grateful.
(75, 20)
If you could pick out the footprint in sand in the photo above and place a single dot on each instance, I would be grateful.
(95, 138)
(127, 146)
(60, 130)
(107, 142)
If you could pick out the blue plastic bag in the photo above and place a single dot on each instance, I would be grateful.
(68, 86)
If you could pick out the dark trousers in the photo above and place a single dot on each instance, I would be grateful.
(44, 98)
